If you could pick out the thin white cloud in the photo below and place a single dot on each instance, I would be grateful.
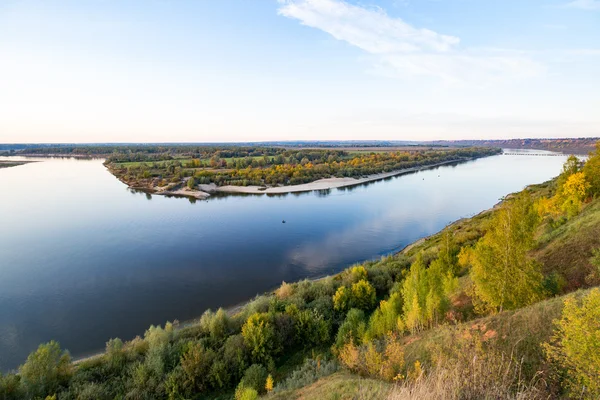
(584, 4)
(403, 50)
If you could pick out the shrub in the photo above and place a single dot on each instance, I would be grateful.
(341, 299)
(255, 377)
(46, 370)
(259, 335)
(10, 387)
(363, 295)
(310, 371)
(352, 329)
(244, 393)
(284, 291)
(575, 346)
(196, 364)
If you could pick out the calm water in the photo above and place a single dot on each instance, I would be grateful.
(82, 259)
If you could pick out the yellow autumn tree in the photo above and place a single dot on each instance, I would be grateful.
(573, 193)
(269, 383)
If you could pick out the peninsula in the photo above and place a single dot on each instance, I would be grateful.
(200, 171)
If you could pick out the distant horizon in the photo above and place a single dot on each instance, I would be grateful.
(301, 141)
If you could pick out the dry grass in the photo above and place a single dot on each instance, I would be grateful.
(474, 376)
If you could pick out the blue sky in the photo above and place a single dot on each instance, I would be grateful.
(160, 70)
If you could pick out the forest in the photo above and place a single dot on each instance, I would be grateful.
(265, 166)
(501, 305)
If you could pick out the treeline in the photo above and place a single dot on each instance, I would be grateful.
(281, 167)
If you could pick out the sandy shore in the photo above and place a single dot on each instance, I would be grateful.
(321, 184)
(197, 194)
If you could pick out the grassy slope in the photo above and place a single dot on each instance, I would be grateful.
(565, 250)
(339, 386)
(519, 333)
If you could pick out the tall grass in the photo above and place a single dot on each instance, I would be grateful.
(474, 374)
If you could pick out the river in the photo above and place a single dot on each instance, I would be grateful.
(83, 259)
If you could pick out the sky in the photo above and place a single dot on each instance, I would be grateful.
(238, 70)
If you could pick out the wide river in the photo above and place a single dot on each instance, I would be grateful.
(83, 259)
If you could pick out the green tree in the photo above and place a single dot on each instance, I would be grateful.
(255, 377)
(341, 299)
(46, 370)
(196, 363)
(504, 276)
(259, 336)
(10, 387)
(363, 295)
(387, 318)
(191, 183)
(311, 328)
(591, 169)
(414, 293)
(358, 273)
(352, 329)
(575, 345)
(448, 253)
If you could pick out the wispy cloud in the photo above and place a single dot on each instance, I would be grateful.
(401, 49)
(584, 4)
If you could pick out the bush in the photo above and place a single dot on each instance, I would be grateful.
(352, 329)
(575, 346)
(259, 336)
(46, 370)
(244, 393)
(363, 295)
(310, 371)
(255, 377)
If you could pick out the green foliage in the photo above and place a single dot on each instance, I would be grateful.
(358, 273)
(259, 335)
(244, 393)
(363, 295)
(387, 319)
(311, 370)
(10, 387)
(46, 370)
(341, 299)
(352, 329)
(115, 354)
(591, 170)
(196, 364)
(575, 346)
(425, 292)
(504, 276)
(191, 183)
(311, 328)
(255, 378)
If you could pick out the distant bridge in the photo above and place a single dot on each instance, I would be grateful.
(535, 154)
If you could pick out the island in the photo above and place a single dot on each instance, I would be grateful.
(199, 171)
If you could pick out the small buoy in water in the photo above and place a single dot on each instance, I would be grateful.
(283, 222)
